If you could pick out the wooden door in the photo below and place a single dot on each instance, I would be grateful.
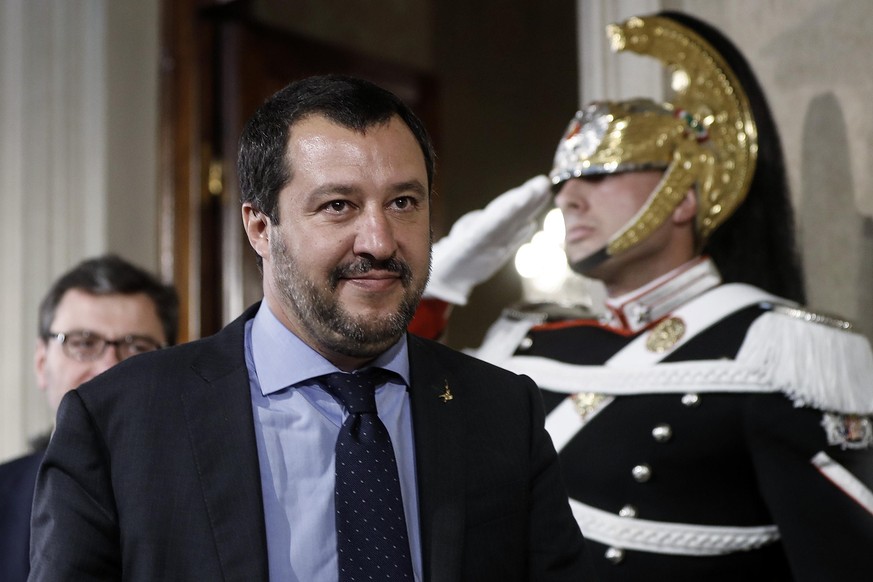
(218, 66)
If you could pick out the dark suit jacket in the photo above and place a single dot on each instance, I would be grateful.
(17, 478)
(152, 473)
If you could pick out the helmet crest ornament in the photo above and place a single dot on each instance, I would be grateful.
(703, 137)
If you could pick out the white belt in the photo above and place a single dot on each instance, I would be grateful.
(659, 537)
(697, 376)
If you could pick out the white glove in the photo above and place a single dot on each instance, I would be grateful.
(481, 241)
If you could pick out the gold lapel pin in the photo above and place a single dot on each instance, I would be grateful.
(447, 394)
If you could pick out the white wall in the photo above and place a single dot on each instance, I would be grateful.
(78, 159)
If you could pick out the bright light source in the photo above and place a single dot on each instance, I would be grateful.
(553, 227)
(542, 261)
(546, 277)
(553, 272)
(526, 262)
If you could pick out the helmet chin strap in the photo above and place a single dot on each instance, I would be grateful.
(594, 260)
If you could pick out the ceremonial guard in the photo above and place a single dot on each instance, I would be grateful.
(709, 426)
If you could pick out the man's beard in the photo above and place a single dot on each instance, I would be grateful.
(326, 321)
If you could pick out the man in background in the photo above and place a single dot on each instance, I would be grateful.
(102, 311)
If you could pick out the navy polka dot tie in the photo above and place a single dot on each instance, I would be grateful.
(372, 543)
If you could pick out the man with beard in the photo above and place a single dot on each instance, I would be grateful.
(252, 454)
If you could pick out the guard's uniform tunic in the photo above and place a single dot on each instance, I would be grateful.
(707, 432)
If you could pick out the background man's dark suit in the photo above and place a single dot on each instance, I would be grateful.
(167, 467)
(16, 495)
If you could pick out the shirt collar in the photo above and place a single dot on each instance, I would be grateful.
(282, 359)
(638, 309)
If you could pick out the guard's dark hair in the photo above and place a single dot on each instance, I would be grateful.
(107, 275)
(756, 245)
(263, 166)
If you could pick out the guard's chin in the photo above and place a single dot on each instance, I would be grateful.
(588, 264)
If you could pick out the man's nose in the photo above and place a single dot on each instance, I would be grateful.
(572, 196)
(375, 235)
(107, 359)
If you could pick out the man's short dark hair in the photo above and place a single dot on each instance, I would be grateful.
(107, 275)
(349, 102)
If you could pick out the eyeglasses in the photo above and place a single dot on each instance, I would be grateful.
(84, 345)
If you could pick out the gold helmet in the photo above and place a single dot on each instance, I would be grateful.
(705, 137)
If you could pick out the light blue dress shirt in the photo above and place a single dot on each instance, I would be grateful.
(296, 427)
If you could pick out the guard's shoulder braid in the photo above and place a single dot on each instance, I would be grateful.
(805, 314)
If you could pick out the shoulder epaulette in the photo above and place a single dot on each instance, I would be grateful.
(818, 360)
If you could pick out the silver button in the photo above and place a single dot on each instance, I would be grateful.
(525, 344)
(628, 511)
(642, 473)
(691, 400)
(662, 433)
(614, 555)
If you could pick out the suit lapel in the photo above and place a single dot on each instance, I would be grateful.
(219, 415)
(439, 430)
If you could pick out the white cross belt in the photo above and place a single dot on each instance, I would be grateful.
(684, 539)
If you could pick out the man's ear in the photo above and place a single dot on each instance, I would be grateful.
(686, 211)
(257, 226)
(40, 352)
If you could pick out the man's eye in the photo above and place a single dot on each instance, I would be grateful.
(140, 347)
(84, 343)
(404, 202)
(337, 205)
